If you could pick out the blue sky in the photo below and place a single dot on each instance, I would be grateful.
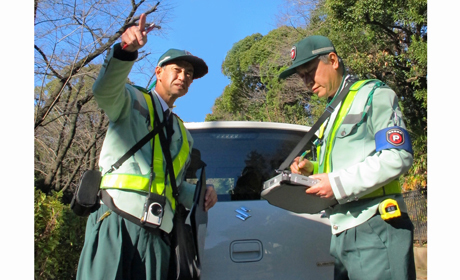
(208, 29)
(215, 27)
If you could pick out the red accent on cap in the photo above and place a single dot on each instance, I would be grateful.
(293, 53)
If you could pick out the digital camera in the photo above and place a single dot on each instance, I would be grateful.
(153, 210)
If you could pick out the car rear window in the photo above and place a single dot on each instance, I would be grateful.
(239, 160)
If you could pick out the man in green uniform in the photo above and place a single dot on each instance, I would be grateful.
(122, 240)
(363, 148)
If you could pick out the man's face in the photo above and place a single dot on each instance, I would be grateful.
(174, 79)
(323, 79)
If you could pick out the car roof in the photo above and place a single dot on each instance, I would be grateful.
(246, 124)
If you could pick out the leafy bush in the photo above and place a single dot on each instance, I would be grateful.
(59, 235)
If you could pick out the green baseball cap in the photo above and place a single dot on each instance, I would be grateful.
(199, 66)
(307, 50)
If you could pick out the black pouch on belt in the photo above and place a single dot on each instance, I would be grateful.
(86, 197)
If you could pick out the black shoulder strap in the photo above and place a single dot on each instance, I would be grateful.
(168, 158)
(158, 127)
(298, 148)
(166, 152)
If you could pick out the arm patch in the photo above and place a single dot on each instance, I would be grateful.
(394, 137)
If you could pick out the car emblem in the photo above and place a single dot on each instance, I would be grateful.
(243, 213)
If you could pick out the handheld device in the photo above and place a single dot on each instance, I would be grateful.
(287, 177)
(287, 191)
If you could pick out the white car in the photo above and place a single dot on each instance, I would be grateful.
(246, 237)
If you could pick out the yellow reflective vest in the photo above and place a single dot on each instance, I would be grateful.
(392, 187)
(140, 183)
(358, 174)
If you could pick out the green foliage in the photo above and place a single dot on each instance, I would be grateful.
(387, 40)
(58, 236)
(378, 39)
(255, 93)
(417, 175)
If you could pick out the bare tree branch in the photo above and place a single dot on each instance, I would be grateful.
(65, 78)
(69, 42)
(77, 167)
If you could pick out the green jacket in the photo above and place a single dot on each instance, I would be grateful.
(129, 118)
(356, 169)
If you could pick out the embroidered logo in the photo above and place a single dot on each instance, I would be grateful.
(293, 52)
(395, 136)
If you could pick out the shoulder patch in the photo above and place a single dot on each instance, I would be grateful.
(393, 138)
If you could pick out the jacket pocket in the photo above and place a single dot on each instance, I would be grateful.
(350, 125)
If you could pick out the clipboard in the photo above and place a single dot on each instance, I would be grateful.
(287, 191)
(198, 217)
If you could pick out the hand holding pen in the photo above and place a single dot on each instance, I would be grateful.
(135, 37)
(302, 165)
(302, 156)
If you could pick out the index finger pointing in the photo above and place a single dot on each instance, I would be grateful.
(142, 20)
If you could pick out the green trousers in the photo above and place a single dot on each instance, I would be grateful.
(117, 249)
(376, 249)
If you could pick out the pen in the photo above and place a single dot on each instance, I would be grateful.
(302, 156)
(149, 27)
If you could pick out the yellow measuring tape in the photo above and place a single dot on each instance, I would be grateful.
(389, 209)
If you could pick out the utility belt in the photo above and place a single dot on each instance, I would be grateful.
(388, 208)
(106, 199)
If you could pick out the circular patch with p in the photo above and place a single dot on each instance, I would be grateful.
(395, 136)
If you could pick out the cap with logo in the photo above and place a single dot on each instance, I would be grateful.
(307, 50)
(199, 66)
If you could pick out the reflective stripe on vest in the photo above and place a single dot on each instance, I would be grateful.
(139, 182)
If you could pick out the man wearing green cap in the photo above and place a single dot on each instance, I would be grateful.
(362, 148)
(124, 240)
